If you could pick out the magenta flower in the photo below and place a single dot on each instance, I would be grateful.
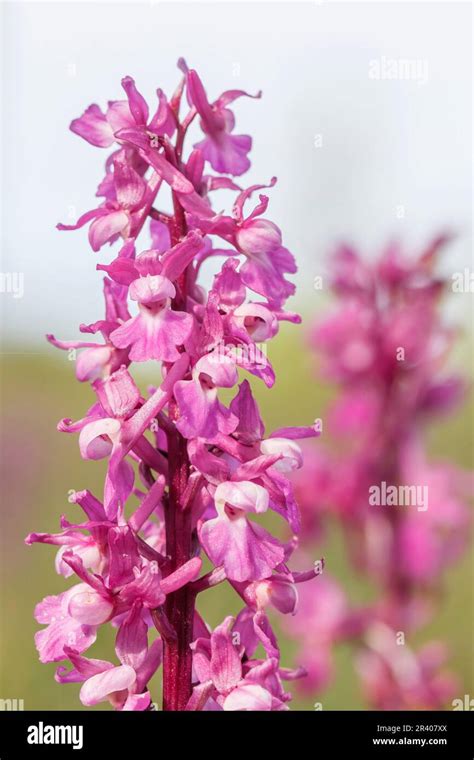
(245, 549)
(228, 682)
(126, 195)
(100, 129)
(100, 359)
(225, 152)
(122, 685)
(158, 330)
(202, 414)
(200, 469)
(62, 628)
(260, 241)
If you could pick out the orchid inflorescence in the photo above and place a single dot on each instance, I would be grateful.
(185, 473)
(386, 346)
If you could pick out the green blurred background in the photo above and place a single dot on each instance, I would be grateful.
(40, 466)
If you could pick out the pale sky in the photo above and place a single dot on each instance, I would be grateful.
(356, 157)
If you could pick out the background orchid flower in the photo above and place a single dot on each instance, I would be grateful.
(386, 344)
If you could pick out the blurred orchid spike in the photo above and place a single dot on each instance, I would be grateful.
(406, 518)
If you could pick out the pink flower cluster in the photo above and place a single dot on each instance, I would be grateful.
(404, 518)
(185, 473)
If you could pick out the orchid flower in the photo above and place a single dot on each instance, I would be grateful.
(201, 469)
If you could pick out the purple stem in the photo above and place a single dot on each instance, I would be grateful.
(177, 654)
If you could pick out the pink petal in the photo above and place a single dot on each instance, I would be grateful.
(259, 236)
(148, 504)
(294, 433)
(151, 288)
(137, 702)
(197, 95)
(243, 405)
(284, 596)
(226, 667)
(200, 695)
(118, 393)
(132, 638)
(99, 687)
(244, 495)
(62, 630)
(95, 213)
(219, 367)
(154, 335)
(290, 452)
(167, 171)
(201, 413)
(249, 697)
(215, 469)
(160, 236)
(184, 574)
(123, 556)
(91, 362)
(129, 186)
(229, 96)
(163, 121)
(247, 551)
(122, 270)
(228, 154)
(150, 664)
(105, 227)
(84, 667)
(137, 103)
(119, 116)
(181, 255)
(92, 444)
(93, 127)
(228, 284)
(146, 587)
(88, 606)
